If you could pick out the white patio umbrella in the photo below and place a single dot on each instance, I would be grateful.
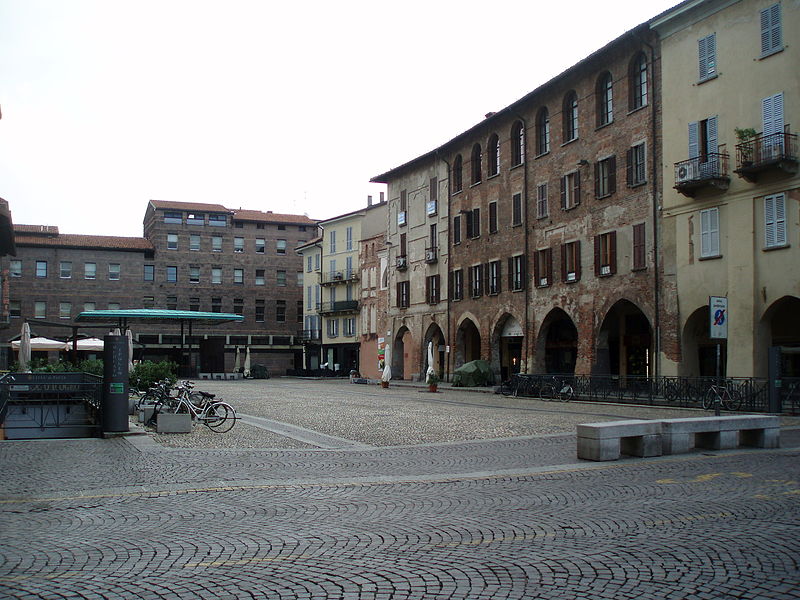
(236, 361)
(431, 371)
(25, 348)
(87, 345)
(39, 343)
(247, 362)
(387, 369)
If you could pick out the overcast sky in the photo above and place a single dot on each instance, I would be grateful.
(290, 107)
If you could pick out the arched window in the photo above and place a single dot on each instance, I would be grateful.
(542, 131)
(517, 143)
(605, 99)
(637, 78)
(458, 180)
(494, 155)
(476, 163)
(570, 113)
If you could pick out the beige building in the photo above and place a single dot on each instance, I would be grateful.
(731, 196)
(332, 298)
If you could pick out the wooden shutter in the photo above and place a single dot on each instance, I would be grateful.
(476, 222)
(523, 271)
(564, 193)
(549, 265)
(434, 185)
(707, 56)
(457, 229)
(492, 217)
(398, 292)
(537, 270)
(612, 251)
(468, 217)
(511, 273)
(563, 262)
(711, 135)
(772, 114)
(499, 279)
(577, 260)
(629, 166)
(638, 246)
(428, 289)
(597, 169)
(576, 190)
(694, 137)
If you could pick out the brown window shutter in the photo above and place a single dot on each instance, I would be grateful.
(428, 289)
(612, 174)
(613, 251)
(597, 179)
(511, 273)
(470, 272)
(563, 262)
(486, 277)
(523, 271)
(434, 189)
(438, 287)
(549, 264)
(537, 270)
(499, 276)
(399, 301)
(450, 285)
(577, 260)
(597, 253)
(629, 166)
(564, 193)
(476, 222)
(577, 189)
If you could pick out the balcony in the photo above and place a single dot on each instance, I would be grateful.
(774, 153)
(703, 173)
(402, 263)
(431, 255)
(309, 335)
(343, 306)
(335, 277)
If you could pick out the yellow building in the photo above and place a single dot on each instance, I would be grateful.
(731, 224)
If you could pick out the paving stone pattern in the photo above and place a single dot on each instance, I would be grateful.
(465, 518)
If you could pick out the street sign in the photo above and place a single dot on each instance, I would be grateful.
(718, 317)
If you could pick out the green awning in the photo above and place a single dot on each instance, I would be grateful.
(152, 315)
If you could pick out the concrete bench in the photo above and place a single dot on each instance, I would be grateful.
(720, 433)
(607, 441)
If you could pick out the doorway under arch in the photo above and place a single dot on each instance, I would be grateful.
(468, 343)
(624, 342)
(557, 343)
(435, 335)
(702, 355)
(506, 347)
(782, 322)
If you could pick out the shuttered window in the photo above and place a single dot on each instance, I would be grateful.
(605, 254)
(571, 261)
(639, 253)
(543, 267)
(492, 217)
(707, 54)
(516, 209)
(605, 177)
(771, 33)
(775, 221)
(570, 190)
(709, 232)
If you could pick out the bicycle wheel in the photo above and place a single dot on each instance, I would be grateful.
(547, 392)
(709, 399)
(565, 393)
(732, 399)
(507, 388)
(219, 417)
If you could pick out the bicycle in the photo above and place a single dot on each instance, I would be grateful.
(562, 390)
(720, 395)
(218, 416)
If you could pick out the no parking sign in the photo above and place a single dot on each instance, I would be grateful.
(718, 317)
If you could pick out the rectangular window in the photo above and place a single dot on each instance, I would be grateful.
(332, 242)
(775, 221)
(148, 302)
(299, 312)
(260, 276)
(194, 242)
(637, 171)
(516, 272)
(113, 306)
(216, 305)
(707, 57)
(317, 260)
(476, 281)
(402, 294)
(281, 278)
(41, 268)
(65, 269)
(457, 284)
(40, 309)
(300, 278)
(542, 209)
(149, 273)
(114, 270)
(260, 310)
(333, 327)
(14, 308)
(309, 264)
(605, 177)
(516, 209)
(172, 241)
(432, 289)
(216, 275)
(639, 251)
(64, 310)
(172, 303)
(473, 223)
(194, 304)
(543, 267)
(434, 196)
(571, 262)
(195, 219)
(494, 277)
(349, 326)
(280, 246)
(261, 245)
(605, 254)
(172, 274)
(89, 270)
(173, 217)
(771, 31)
(194, 274)
(15, 268)
(216, 243)
(238, 276)
(280, 311)
(89, 306)
(238, 244)
(709, 233)
(217, 220)
(570, 190)
(457, 229)
(349, 239)
(238, 306)
(492, 217)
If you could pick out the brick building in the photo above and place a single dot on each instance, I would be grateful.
(201, 257)
(550, 220)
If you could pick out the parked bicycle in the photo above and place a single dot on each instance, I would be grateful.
(203, 407)
(563, 390)
(720, 395)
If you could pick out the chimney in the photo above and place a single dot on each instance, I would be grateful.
(382, 200)
(369, 200)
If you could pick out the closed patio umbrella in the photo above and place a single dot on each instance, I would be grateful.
(431, 371)
(236, 361)
(25, 348)
(129, 334)
(387, 369)
(246, 369)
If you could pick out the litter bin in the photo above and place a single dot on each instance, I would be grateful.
(259, 372)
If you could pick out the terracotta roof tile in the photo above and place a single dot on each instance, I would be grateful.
(36, 229)
(270, 217)
(66, 240)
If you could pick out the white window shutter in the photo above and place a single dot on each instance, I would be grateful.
(771, 33)
(702, 54)
(694, 149)
(769, 221)
(705, 233)
(772, 114)
(711, 54)
(711, 135)
(780, 219)
(714, 231)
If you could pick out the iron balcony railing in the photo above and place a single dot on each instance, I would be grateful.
(342, 306)
(701, 168)
(310, 335)
(333, 277)
(766, 149)
(431, 254)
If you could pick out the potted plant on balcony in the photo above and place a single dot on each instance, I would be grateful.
(745, 150)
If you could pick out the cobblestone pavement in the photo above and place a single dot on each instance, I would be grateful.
(454, 517)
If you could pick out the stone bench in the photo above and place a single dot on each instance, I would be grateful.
(719, 433)
(607, 441)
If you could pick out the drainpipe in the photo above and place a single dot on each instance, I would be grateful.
(448, 359)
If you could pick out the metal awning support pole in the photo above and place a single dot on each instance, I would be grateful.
(74, 345)
(191, 372)
(183, 344)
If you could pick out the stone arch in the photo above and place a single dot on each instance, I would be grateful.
(468, 341)
(780, 326)
(401, 346)
(507, 341)
(436, 335)
(624, 342)
(699, 350)
(556, 344)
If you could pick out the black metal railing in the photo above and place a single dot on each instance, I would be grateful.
(340, 306)
(765, 149)
(678, 392)
(310, 335)
(701, 168)
(343, 276)
(789, 395)
(431, 254)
